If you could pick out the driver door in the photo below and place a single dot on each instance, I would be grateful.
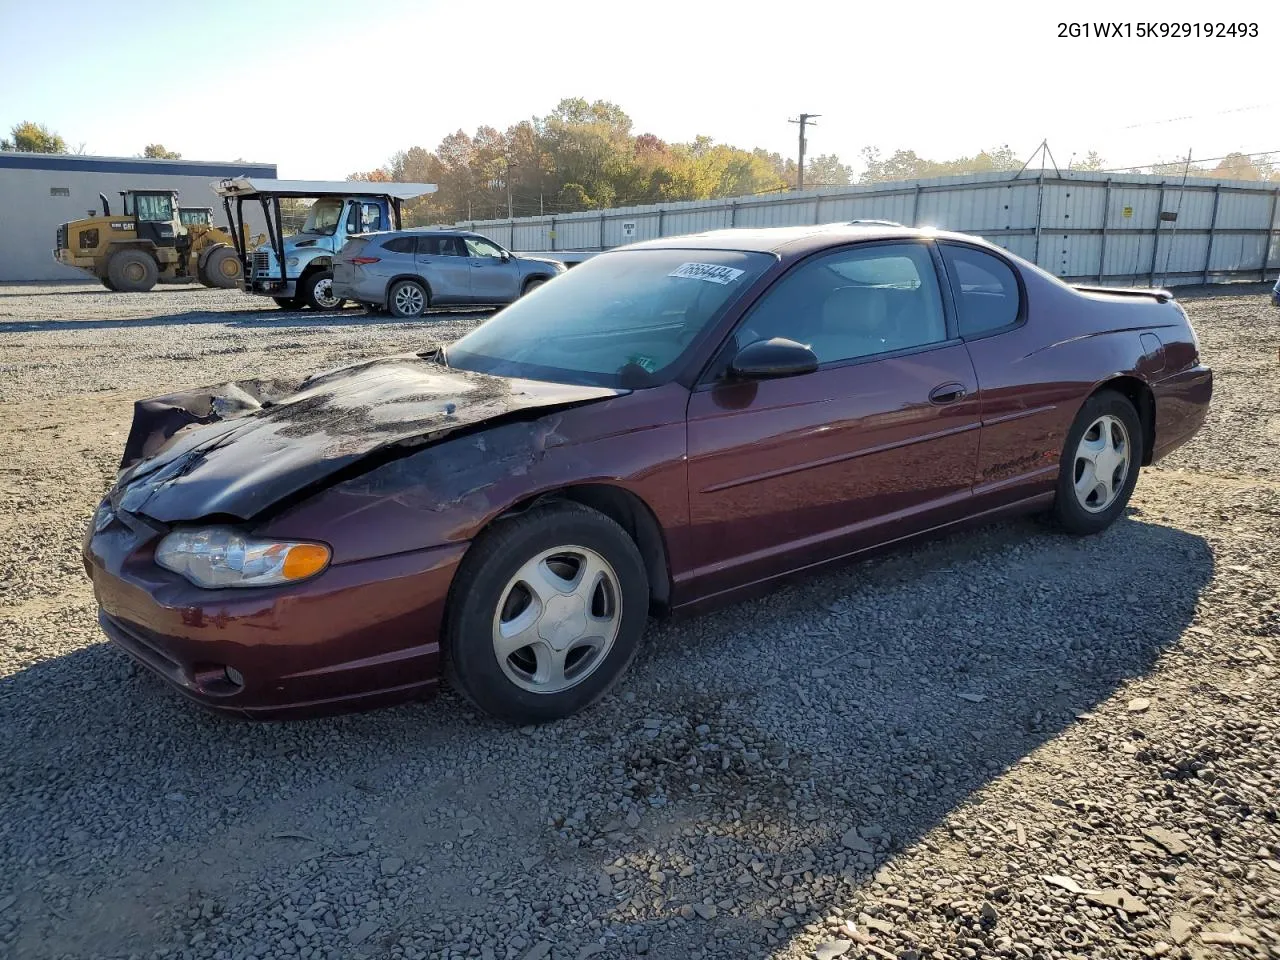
(879, 442)
(495, 278)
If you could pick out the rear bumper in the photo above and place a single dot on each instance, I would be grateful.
(361, 634)
(1182, 403)
(364, 289)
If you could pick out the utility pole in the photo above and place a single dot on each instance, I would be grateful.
(507, 177)
(805, 119)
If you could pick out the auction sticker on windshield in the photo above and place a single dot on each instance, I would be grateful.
(712, 273)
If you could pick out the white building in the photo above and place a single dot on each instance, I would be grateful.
(40, 191)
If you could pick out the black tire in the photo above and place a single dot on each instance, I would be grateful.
(132, 271)
(1070, 514)
(106, 282)
(532, 285)
(407, 299)
(471, 663)
(288, 303)
(221, 268)
(312, 287)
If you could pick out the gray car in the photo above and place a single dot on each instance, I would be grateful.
(407, 271)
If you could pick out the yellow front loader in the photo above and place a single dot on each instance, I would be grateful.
(151, 241)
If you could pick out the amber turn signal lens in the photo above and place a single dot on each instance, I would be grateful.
(305, 560)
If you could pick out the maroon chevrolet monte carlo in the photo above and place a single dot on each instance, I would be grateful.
(667, 425)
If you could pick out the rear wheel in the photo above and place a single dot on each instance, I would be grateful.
(407, 298)
(132, 271)
(1100, 463)
(288, 303)
(316, 290)
(545, 613)
(222, 268)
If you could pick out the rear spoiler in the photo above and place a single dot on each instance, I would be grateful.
(1157, 294)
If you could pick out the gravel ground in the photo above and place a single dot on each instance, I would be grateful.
(1002, 744)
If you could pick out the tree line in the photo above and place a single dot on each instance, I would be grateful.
(586, 156)
(30, 137)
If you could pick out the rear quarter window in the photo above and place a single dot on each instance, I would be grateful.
(399, 245)
(985, 288)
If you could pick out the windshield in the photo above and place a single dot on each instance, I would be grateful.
(153, 207)
(324, 216)
(621, 319)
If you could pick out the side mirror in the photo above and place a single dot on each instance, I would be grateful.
(779, 357)
(506, 257)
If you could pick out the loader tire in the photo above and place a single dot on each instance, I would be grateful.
(221, 268)
(132, 271)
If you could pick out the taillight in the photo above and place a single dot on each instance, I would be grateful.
(361, 261)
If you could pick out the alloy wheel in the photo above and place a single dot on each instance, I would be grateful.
(1101, 463)
(324, 295)
(557, 619)
(409, 300)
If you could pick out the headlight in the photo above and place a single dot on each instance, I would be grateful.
(102, 517)
(213, 557)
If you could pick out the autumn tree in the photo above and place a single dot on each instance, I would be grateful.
(907, 165)
(28, 137)
(1091, 162)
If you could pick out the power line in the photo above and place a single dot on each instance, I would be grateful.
(1157, 163)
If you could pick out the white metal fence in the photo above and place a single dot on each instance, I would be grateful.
(1118, 229)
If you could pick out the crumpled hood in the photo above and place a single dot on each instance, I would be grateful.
(236, 449)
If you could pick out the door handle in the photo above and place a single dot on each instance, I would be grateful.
(947, 393)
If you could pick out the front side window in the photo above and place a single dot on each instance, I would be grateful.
(371, 217)
(322, 219)
(196, 217)
(157, 208)
(626, 318)
(985, 289)
(853, 303)
(480, 247)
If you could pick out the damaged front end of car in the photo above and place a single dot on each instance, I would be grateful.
(238, 449)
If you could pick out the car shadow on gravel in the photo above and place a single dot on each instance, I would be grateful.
(753, 772)
(260, 318)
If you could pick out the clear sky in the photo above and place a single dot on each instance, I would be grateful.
(326, 88)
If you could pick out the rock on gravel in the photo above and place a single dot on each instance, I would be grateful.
(783, 776)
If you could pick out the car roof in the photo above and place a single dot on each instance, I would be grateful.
(795, 240)
(434, 231)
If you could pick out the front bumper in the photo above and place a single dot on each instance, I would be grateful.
(264, 287)
(358, 635)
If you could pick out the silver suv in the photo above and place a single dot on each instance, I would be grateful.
(407, 271)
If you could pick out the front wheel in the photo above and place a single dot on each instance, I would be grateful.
(545, 613)
(1100, 463)
(317, 291)
(531, 286)
(222, 268)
